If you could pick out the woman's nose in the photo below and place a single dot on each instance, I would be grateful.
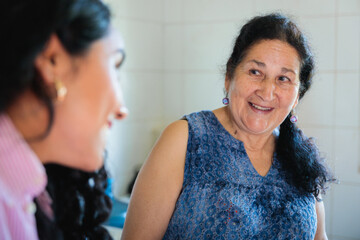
(267, 90)
(121, 113)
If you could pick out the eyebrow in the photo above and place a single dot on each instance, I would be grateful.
(283, 69)
(260, 64)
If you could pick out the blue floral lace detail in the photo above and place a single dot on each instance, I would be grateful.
(223, 196)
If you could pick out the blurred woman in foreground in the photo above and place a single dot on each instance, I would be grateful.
(58, 97)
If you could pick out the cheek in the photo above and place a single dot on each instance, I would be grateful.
(115, 88)
(109, 85)
(242, 90)
(288, 99)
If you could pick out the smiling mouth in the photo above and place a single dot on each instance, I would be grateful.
(260, 108)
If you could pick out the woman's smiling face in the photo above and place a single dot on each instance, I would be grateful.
(265, 86)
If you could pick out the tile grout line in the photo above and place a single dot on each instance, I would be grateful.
(359, 99)
(333, 131)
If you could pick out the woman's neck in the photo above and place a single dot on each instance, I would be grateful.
(30, 117)
(252, 142)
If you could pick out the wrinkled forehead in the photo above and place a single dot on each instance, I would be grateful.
(274, 52)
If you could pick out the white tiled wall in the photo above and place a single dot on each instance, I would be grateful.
(317, 108)
(321, 30)
(176, 56)
(347, 99)
(140, 22)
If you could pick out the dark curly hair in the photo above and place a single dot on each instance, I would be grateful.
(26, 27)
(298, 154)
(79, 205)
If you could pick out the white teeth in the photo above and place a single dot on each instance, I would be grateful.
(260, 108)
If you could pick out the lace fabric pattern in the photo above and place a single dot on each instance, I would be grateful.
(224, 197)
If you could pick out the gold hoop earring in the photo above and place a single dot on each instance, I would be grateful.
(61, 90)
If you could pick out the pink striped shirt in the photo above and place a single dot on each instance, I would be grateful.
(22, 177)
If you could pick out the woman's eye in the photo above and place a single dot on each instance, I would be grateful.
(254, 72)
(284, 79)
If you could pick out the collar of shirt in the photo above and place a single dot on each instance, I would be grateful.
(21, 171)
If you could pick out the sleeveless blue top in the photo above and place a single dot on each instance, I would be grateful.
(224, 197)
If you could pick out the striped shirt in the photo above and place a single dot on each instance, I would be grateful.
(22, 177)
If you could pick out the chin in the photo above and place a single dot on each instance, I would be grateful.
(92, 164)
(94, 157)
(89, 162)
(259, 130)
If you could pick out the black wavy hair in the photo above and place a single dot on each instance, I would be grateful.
(299, 155)
(79, 205)
(26, 27)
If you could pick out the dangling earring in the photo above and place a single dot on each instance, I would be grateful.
(293, 117)
(61, 90)
(225, 100)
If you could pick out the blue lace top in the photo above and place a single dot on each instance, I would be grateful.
(224, 197)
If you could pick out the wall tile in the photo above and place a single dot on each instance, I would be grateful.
(348, 6)
(174, 47)
(264, 6)
(143, 93)
(348, 47)
(295, 7)
(174, 96)
(137, 9)
(317, 106)
(208, 46)
(173, 11)
(346, 215)
(203, 91)
(322, 42)
(217, 10)
(347, 155)
(143, 44)
(347, 102)
(310, 7)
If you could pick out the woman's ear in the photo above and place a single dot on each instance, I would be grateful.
(52, 60)
(227, 83)
(296, 102)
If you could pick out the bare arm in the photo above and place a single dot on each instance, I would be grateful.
(320, 213)
(158, 186)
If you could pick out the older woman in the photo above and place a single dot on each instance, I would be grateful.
(230, 173)
(58, 97)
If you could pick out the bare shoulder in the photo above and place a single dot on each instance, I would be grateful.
(158, 185)
(176, 129)
(169, 152)
(173, 141)
(320, 213)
